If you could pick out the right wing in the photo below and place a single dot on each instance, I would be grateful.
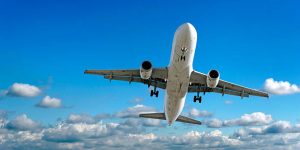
(158, 76)
(198, 81)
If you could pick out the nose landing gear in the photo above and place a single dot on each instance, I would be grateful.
(182, 58)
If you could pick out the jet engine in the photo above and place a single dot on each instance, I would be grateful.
(213, 78)
(146, 70)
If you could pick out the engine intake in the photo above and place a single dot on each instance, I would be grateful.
(146, 70)
(213, 78)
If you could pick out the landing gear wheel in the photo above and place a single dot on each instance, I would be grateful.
(156, 93)
(196, 98)
(151, 93)
(182, 58)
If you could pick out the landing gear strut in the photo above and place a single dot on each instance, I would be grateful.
(154, 92)
(197, 98)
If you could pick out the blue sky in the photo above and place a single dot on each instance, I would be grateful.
(48, 44)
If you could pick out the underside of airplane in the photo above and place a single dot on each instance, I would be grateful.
(178, 78)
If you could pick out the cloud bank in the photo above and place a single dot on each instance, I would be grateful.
(22, 122)
(83, 131)
(253, 119)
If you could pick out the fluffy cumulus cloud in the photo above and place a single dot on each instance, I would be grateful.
(143, 122)
(49, 102)
(128, 116)
(253, 119)
(280, 87)
(201, 140)
(134, 111)
(23, 90)
(278, 127)
(214, 123)
(277, 135)
(81, 118)
(81, 131)
(76, 132)
(131, 114)
(256, 118)
(23, 123)
(197, 113)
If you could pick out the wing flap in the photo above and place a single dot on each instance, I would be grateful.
(159, 84)
(129, 72)
(158, 77)
(235, 87)
(160, 73)
(217, 90)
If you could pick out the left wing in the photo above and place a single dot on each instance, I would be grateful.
(198, 84)
(158, 76)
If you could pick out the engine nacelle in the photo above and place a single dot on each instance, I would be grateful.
(213, 77)
(146, 70)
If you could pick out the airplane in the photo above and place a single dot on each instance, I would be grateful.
(178, 78)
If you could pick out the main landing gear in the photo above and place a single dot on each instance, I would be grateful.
(154, 92)
(197, 98)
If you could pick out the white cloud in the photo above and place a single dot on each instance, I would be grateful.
(98, 135)
(254, 119)
(133, 112)
(228, 102)
(278, 127)
(200, 140)
(142, 137)
(143, 122)
(22, 122)
(23, 90)
(81, 118)
(280, 87)
(75, 132)
(197, 113)
(48, 102)
(214, 123)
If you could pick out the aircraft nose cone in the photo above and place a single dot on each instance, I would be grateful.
(187, 30)
(188, 27)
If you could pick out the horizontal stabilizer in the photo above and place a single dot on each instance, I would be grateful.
(163, 117)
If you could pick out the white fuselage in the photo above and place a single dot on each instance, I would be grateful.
(179, 70)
